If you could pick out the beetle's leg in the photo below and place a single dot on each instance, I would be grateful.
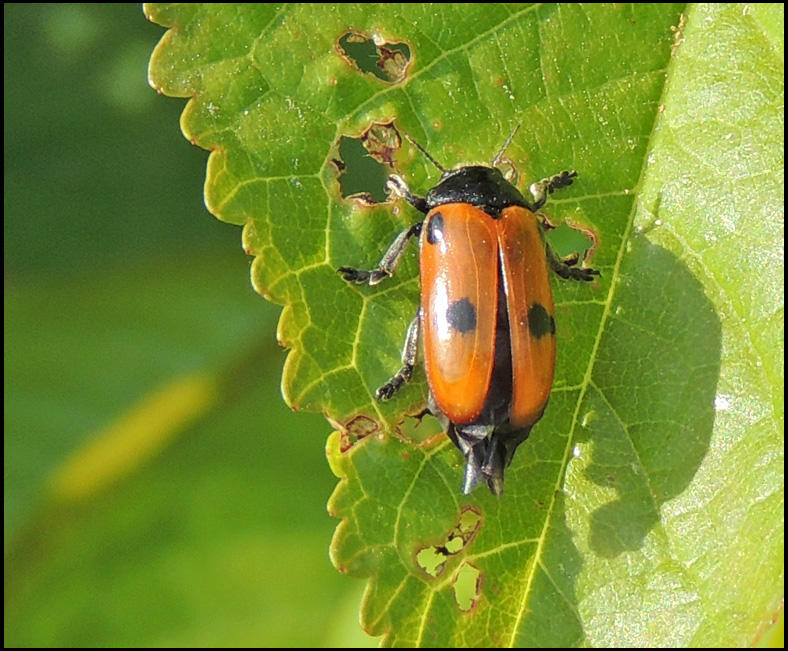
(571, 260)
(388, 263)
(565, 267)
(542, 188)
(409, 352)
(396, 185)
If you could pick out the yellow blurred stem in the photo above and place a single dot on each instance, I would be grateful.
(138, 434)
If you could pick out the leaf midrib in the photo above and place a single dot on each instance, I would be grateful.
(587, 379)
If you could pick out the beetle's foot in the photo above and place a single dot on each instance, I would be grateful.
(542, 188)
(360, 276)
(387, 391)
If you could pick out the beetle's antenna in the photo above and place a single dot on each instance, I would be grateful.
(427, 154)
(508, 142)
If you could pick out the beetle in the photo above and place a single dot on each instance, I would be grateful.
(486, 313)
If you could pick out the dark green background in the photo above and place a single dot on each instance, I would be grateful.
(118, 282)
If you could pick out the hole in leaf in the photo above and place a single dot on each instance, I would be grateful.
(467, 586)
(432, 559)
(469, 522)
(566, 240)
(364, 163)
(420, 427)
(354, 430)
(372, 55)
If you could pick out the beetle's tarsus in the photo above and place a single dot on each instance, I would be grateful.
(565, 267)
(361, 276)
(548, 185)
(387, 391)
(575, 273)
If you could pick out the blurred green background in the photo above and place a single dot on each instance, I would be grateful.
(157, 489)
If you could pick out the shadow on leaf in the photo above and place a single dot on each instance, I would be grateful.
(653, 396)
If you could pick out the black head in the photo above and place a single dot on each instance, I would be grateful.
(479, 185)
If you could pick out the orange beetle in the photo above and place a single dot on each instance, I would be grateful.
(486, 313)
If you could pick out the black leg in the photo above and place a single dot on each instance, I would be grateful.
(388, 263)
(566, 267)
(409, 352)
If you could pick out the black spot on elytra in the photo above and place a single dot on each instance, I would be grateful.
(435, 230)
(461, 316)
(540, 321)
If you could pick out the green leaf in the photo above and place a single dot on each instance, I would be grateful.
(646, 509)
